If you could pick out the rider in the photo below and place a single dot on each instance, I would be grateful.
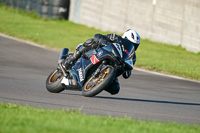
(130, 35)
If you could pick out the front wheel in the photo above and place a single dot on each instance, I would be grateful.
(53, 82)
(97, 84)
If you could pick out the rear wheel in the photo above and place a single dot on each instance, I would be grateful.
(97, 84)
(53, 82)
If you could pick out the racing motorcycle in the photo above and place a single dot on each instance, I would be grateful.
(94, 71)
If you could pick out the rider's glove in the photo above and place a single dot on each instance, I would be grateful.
(112, 37)
(126, 74)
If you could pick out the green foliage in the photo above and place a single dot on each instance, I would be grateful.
(61, 33)
(53, 33)
(24, 119)
(168, 59)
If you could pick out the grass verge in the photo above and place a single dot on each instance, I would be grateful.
(24, 119)
(60, 33)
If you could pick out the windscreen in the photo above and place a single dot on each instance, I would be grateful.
(127, 49)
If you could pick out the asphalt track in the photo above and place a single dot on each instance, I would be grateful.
(144, 96)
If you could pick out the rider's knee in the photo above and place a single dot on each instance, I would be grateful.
(114, 87)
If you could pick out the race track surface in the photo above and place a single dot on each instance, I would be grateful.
(144, 96)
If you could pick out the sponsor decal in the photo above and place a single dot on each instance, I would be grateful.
(100, 53)
(127, 52)
(123, 47)
(118, 48)
(72, 82)
(94, 59)
(80, 74)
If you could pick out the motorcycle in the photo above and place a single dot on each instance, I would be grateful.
(94, 71)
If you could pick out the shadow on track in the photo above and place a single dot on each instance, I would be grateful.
(148, 101)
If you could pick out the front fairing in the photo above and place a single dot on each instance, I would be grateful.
(121, 54)
(124, 52)
(128, 49)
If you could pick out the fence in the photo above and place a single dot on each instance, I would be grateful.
(58, 9)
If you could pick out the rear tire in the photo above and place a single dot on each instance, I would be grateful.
(53, 82)
(107, 78)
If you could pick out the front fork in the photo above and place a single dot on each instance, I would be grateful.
(97, 72)
(67, 81)
(61, 59)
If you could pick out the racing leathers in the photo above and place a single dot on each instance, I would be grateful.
(100, 40)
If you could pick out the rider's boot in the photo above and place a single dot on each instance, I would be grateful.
(71, 59)
(114, 87)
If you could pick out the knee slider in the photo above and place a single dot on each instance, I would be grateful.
(83, 49)
(90, 43)
(77, 54)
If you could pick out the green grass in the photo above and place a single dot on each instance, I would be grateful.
(52, 33)
(24, 119)
(168, 59)
(60, 33)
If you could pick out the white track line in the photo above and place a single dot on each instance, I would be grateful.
(41, 46)
(166, 75)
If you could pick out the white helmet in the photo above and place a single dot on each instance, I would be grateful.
(132, 36)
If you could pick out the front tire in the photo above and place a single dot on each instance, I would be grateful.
(104, 79)
(53, 82)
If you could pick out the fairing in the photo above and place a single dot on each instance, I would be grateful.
(112, 52)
